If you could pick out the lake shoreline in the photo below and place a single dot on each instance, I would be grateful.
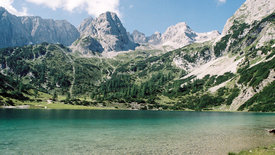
(258, 150)
(77, 107)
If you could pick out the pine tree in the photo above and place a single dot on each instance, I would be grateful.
(55, 97)
(35, 93)
(20, 87)
(68, 97)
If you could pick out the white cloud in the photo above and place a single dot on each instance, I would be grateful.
(222, 1)
(7, 4)
(93, 7)
(131, 6)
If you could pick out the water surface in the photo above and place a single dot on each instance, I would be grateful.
(131, 132)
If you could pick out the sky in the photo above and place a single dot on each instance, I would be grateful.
(147, 16)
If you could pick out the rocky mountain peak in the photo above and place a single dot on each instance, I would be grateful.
(138, 37)
(4, 12)
(109, 23)
(175, 36)
(49, 30)
(105, 31)
(2, 9)
(181, 34)
(109, 16)
(86, 22)
(24, 30)
(249, 12)
(154, 39)
(181, 25)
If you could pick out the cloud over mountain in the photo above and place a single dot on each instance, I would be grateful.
(93, 7)
(222, 1)
(8, 5)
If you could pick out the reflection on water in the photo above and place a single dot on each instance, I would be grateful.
(131, 132)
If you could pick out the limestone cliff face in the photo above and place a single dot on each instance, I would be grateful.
(12, 31)
(19, 31)
(244, 20)
(250, 11)
(48, 30)
(106, 31)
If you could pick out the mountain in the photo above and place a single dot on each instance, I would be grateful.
(234, 72)
(245, 19)
(19, 31)
(51, 31)
(138, 37)
(105, 33)
(181, 34)
(84, 24)
(12, 30)
(154, 39)
(175, 36)
(250, 11)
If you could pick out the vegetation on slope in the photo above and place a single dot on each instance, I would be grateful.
(270, 150)
(262, 101)
(150, 79)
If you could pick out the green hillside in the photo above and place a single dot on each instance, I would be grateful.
(143, 79)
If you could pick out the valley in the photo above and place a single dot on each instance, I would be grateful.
(106, 67)
(100, 89)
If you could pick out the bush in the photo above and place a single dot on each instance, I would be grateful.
(221, 46)
(256, 74)
(264, 101)
(222, 78)
(234, 93)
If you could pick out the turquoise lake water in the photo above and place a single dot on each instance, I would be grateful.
(131, 132)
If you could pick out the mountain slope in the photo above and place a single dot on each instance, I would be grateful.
(175, 36)
(105, 33)
(138, 37)
(48, 30)
(250, 11)
(181, 34)
(234, 72)
(12, 30)
(19, 31)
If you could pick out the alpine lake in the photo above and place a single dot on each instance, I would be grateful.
(132, 132)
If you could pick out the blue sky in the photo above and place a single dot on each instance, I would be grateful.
(146, 16)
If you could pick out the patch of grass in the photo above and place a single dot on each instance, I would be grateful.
(270, 150)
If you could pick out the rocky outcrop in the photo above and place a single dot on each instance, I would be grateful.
(19, 31)
(108, 32)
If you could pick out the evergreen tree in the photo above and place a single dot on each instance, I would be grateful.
(68, 97)
(55, 97)
(35, 93)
